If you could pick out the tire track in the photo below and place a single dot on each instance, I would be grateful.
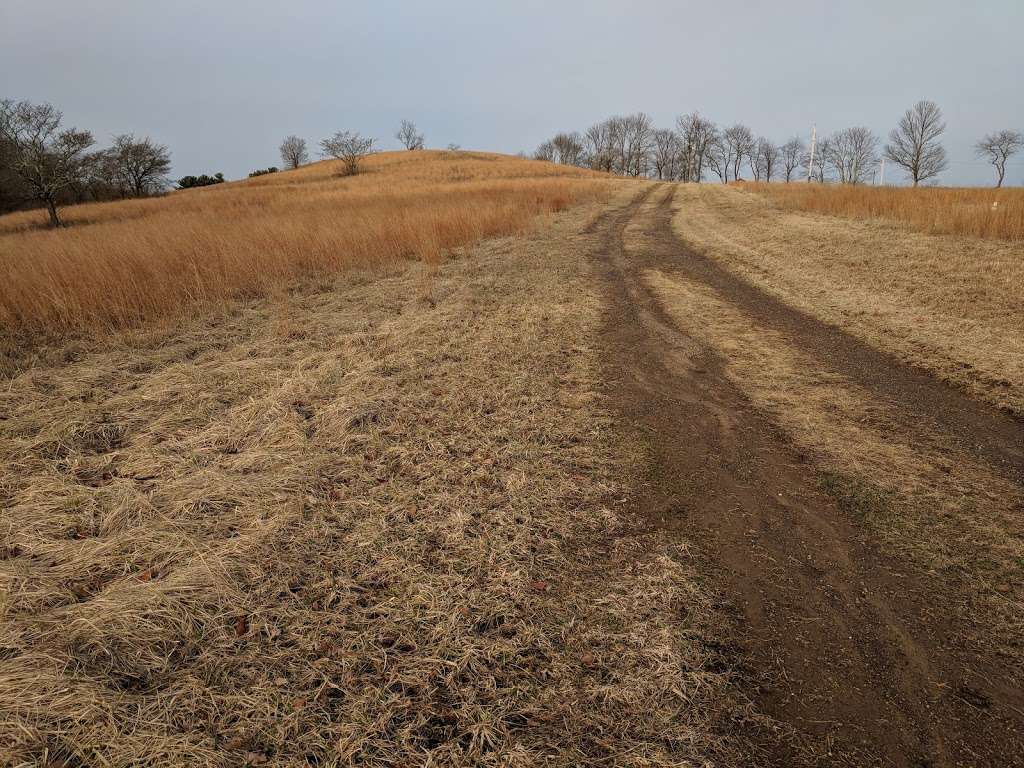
(843, 647)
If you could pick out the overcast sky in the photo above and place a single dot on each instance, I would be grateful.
(222, 81)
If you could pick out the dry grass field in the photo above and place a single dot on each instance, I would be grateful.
(996, 214)
(949, 304)
(378, 470)
(121, 264)
(374, 520)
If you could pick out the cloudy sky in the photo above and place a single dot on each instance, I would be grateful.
(222, 81)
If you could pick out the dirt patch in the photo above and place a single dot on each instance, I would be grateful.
(847, 648)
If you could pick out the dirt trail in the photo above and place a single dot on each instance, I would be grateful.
(841, 644)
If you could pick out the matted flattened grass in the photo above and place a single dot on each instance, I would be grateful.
(377, 524)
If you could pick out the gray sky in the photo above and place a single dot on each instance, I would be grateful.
(222, 81)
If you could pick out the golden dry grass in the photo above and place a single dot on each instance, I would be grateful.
(120, 264)
(996, 214)
(949, 304)
(372, 523)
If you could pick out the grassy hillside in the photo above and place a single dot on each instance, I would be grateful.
(119, 264)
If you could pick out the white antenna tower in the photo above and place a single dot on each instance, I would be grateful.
(881, 181)
(810, 161)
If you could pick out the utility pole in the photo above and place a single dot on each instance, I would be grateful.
(810, 161)
(881, 181)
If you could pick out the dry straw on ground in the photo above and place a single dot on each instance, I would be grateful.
(121, 264)
(369, 524)
(949, 304)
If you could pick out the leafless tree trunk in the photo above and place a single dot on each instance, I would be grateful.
(293, 152)
(997, 148)
(914, 143)
(409, 136)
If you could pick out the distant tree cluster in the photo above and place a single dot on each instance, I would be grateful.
(348, 146)
(189, 182)
(44, 164)
(696, 148)
(263, 171)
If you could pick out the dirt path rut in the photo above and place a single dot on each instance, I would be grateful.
(838, 643)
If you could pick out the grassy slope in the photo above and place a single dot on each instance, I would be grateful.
(127, 263)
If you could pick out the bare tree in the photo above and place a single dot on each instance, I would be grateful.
(546, 151)
(853, 153)
(349, 147)
(696, 134)
(740, 142)
(914, 143)
(764, 159)
(666, 153)
(820, 164)
(293, 152)
(409, 136)
(791, 157)
(142, 165)
(568, 148)
(597, 142)
(44, 158)
(637, 135)
(997, 148)
(719, 156)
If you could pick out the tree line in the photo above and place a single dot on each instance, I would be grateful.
(44, 164)
(696, 149)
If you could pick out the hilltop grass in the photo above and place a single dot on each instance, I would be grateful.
(996, 214)
(121, 264)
